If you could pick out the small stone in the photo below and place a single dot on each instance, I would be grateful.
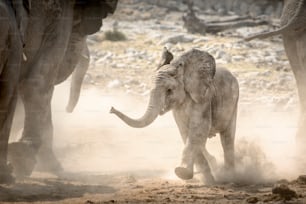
(199, 40)
(252, 200)
(114, 84)
(130, 179)
(284, 192)
(178, 38)
(88, 79)
(301, 179)
(220, 54)
(237, 58)
(283, 181)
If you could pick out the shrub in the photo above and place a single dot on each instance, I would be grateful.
(114, 35)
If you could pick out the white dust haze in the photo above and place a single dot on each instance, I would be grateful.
(92, 140)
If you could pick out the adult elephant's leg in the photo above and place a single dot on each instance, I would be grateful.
(8, 98)
(46, 159)
(295, 47)
(10, 52)
(301, 51)
(38, 130)
(38, 127)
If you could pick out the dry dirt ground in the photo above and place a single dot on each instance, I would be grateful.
(108, 162)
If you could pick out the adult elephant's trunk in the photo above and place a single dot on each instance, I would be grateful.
(77, 80)
(153, 109)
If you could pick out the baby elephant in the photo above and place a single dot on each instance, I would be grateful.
(203, 100)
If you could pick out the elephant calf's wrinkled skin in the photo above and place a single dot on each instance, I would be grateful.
(203, 100)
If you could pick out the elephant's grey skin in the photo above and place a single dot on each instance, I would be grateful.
(10, 60)
(53, 40)
(293, 31)
(203, 101)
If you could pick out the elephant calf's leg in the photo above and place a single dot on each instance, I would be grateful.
(228, 144)
(185, 170)
(193, 154)
(203, 167)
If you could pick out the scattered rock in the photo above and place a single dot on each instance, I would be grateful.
(301, 179)
(114, 84)
(200, 40)
(252, 200)
(220, 54)
(284, 192)
(177, 38)
(130, 179)
(283, 181)
(88, 79)
(238, 58)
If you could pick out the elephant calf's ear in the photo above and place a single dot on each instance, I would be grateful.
(167, 57)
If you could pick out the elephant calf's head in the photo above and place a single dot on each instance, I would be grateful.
(189, 75)
(169, 84)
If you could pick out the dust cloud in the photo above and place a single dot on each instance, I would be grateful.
(92, 140)
(265, 146)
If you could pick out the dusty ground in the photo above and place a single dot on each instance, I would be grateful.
(108, 162)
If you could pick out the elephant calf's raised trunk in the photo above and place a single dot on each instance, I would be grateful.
(153, 109)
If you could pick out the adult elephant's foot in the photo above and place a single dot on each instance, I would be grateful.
(47, 162)
(6, 176)
(184, 173)
(22, 158)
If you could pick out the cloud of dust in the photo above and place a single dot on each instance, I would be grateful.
(92, 140)
(265, 147)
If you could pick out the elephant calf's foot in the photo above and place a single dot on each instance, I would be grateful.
(206, 175)
(208, 179)
(22, 158)
(183, 173)
(6, 176)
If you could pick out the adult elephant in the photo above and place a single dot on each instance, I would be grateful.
(293, 31)
(53, 34)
